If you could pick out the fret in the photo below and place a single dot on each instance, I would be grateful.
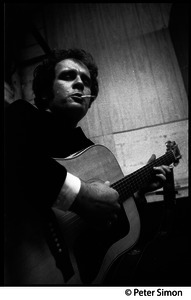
(133, 182)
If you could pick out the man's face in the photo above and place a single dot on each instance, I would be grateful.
(72, 80)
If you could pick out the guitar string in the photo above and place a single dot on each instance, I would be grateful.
(134, 180)
(142, 170)
(130, 183)
(138, 177)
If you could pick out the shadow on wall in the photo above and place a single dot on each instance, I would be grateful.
(179, 31)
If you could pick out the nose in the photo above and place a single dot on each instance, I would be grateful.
(78, 83)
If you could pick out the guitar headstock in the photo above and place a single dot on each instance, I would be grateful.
(173, 147)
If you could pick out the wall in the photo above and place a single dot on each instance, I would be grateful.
(142, 101)
(179, 31)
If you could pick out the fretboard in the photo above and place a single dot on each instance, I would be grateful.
(131, 183)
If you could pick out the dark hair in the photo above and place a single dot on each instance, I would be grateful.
(44, 74)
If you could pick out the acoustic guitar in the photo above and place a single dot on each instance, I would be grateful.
(92, 252)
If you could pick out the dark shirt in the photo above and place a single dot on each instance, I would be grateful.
(32, 139)
(33, 178)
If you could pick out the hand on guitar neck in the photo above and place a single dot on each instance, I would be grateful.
(158, 179)
(98, 203)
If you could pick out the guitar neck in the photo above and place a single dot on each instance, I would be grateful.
(131, 183)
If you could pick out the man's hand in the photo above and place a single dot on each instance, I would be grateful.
(159, 178)
(97, 203)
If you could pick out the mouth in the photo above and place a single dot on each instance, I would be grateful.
(77, 97)
(80, 98)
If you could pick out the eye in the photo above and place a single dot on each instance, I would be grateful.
(67, 75)
(86, 81)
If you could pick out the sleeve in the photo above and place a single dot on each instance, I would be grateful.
(68, 192)
(33, 179)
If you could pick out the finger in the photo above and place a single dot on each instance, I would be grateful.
(159, 170)
(110, 206)
(163, 169)
(108, 183)
(152, 158)
(117, 206)
(167, 169)
(161, 176)
(113, 207)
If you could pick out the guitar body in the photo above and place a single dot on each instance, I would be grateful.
(92, 251)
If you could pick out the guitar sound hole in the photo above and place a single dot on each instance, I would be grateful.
(91, 246)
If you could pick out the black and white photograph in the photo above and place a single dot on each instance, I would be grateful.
(96, 190)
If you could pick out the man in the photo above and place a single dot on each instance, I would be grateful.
(65, 85)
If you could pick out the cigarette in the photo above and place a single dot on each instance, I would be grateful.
(87, 96)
